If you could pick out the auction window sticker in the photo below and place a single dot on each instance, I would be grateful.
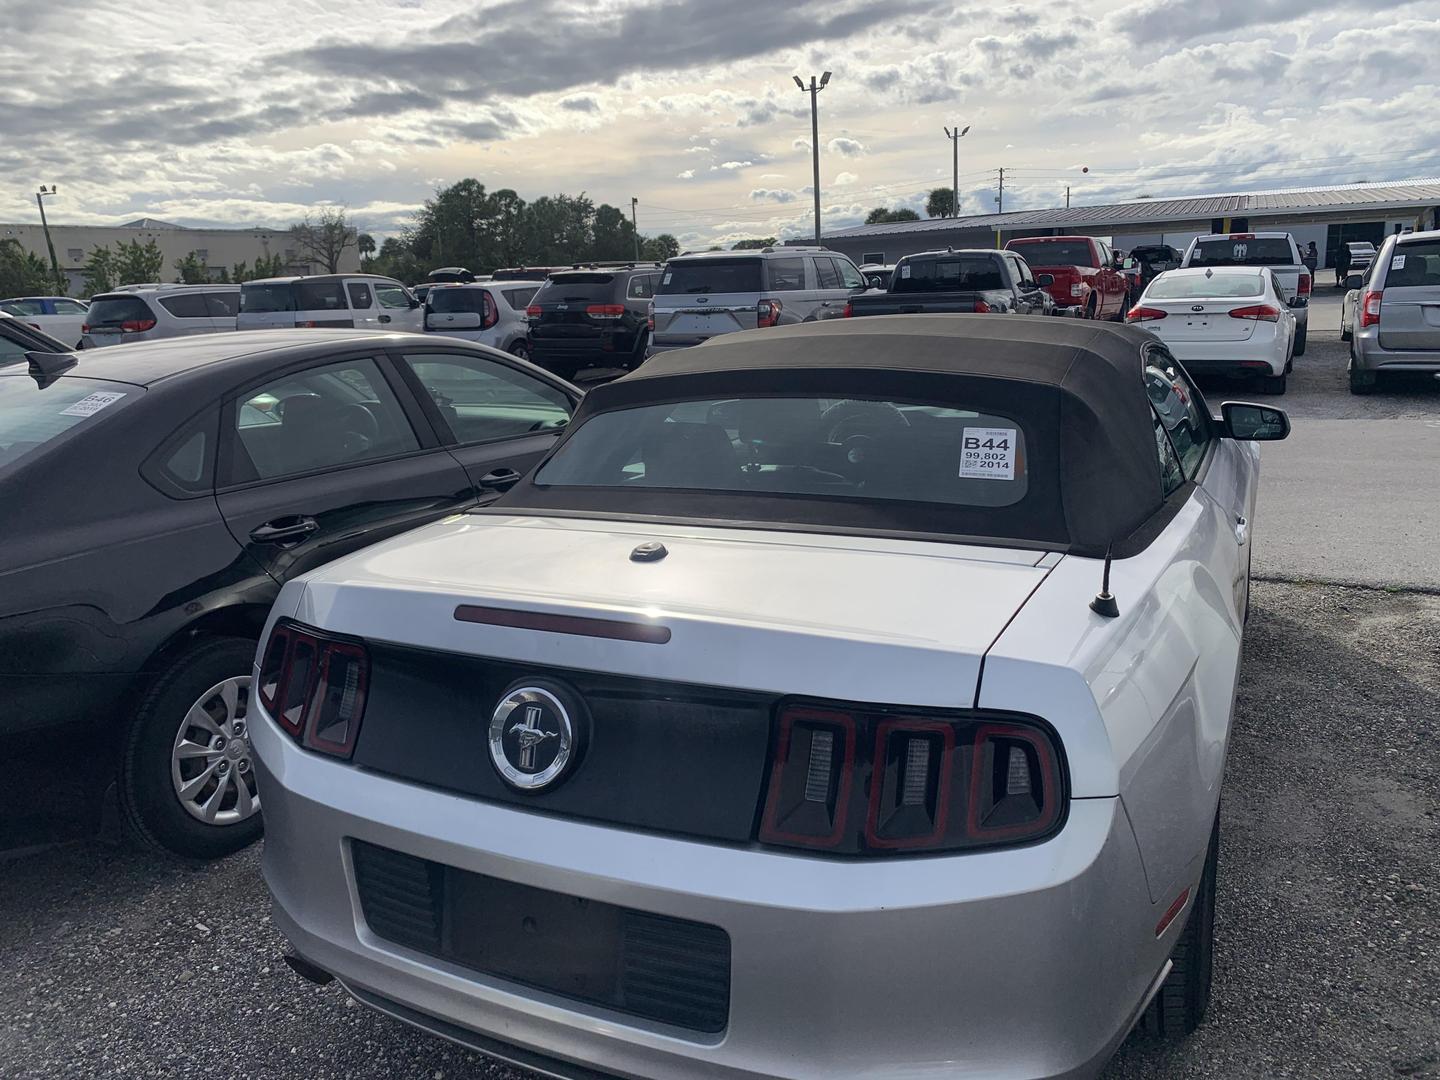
(988, 453)
(93, 403)
(1397, 262)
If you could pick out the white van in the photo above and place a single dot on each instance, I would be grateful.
(366, 301)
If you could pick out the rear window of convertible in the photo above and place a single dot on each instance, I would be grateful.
(856, 449)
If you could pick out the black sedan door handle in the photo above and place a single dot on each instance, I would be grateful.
(500, 479)
(273, 532)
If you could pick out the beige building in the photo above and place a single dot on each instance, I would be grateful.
(218, 249)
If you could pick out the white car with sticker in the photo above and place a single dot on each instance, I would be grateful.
(896, 656)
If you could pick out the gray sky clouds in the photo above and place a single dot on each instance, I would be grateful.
(254, 111)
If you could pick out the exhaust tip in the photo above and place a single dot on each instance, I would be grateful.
(306, 970)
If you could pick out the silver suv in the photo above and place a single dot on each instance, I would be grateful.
(700, 296)
(148, 312)
(1394, 318)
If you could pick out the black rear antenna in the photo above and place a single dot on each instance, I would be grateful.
(1104, 604)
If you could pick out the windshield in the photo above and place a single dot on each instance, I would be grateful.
(1054, 252)
(1198, 286)
(32, 417)
(966, 272)
(854, 449)
(701, 276)
(1243, 251)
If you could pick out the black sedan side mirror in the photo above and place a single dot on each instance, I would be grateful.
(1253, 423)
(1044, 279)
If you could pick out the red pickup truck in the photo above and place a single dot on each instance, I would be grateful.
(1086, 280)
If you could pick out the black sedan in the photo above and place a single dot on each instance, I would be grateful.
(158, 497)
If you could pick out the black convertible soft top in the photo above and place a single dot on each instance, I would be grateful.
(1076, 387)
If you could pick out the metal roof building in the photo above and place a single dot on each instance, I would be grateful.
(1326, 215)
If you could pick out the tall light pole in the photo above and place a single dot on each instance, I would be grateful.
(50, 244)
(635, 228)
(814, 91)
(955, 137)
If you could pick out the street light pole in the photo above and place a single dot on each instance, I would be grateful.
(50, 244)
(814, 91)
(955, 137)
(635, 228)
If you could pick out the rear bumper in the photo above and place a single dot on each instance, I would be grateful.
(1368, 354)
(1025, 963)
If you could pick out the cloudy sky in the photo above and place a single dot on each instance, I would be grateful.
(241, 112)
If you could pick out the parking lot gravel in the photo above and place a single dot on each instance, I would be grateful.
(114, 964)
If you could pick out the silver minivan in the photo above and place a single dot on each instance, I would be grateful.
(703, 295)
(151, 312)
(366, 301)
(1395, 320)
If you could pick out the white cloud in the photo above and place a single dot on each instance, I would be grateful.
(846, 147)
(688, 174)
(775, 195)
(731, 166)
(845, 179)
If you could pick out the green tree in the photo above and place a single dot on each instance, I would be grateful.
(100, 271)
(365, 244)
(22, 272)
(940, 203)
(136, 263)
(191, 271)
(324, 239)
(880, 216)
(660, 248)
(753, 245)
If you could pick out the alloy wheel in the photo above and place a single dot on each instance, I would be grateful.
(211, 765)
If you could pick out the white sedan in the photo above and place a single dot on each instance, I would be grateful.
(59, 316)
(1230, 320)
(843, 700)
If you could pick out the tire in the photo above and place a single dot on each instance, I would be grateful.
(1179, 1006)
(1361, 382)
(1347, 335)
(1300, 339)
(209, 681)
(1092, 307)
(1273, 384)
(521, 349)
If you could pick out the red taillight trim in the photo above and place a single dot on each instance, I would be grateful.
(315, 699)
(981, 307)
(1305, 285)
(491, 315)
(1048, 775)
(849, 312)
(577, 625)
(137, 326)
(533, 311)
(289, 638)
(767, 314)
(85, 328)
(650, 316)
(770, 832)
(1177, 906)
(883, 730)
(1145, 314)
(1257, 313)
(1367, 316)
(605, 311)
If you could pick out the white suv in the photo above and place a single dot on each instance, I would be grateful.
(149, 312)
(700, 296)
(1275, 250)
(367, 301)
(492, 313)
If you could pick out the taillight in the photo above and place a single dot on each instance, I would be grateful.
(1144, 314)
(861, 782)
(137, 326)
(492, 313)
(767, 313)
(1077, 289)
(85, 328)
(981, 307)
(533, 311)
(650, 317)
(1304, 289)
(314, 687)
(1256, 312)
(1370, 307)
(849, 312)
(605, 311)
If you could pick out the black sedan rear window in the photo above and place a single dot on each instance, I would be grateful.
(800, 446)
(33, 417)
(702, 276)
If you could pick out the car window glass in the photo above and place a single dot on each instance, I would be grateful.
(1179, 406)
(186, 306)
(1172, 475)
(319, 418)
(316, 296)
(827, 277)
(23, 307)
(1054, 252)
(1413, 265)
(69, 307)
(1184, 286)
(188, 463)
(481, 399)
(786, 275)
(1241, 250)
(642, 287)
(1022, 272)
(33, 417)
(12, 350)
(359, 294)
(222, 305)
(849, 276)
(698, 277)
(520, 299)
(392, 296)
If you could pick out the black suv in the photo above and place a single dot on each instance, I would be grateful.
(592, 317)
